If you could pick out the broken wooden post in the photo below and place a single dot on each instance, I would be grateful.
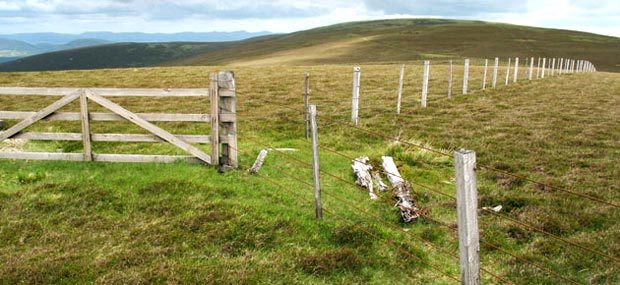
(465, 75)
(306, 102)
(260, 159)
(315, 163)
(400, 88)
(516, 75)
(495, 67)
(356, 95)
(450, 81)
(425, 82)
(542, 73)
(402, 190)
(531, 69)
(508, 71)
(228, 128)
(484, 78)
(467, 216)
(362, 169)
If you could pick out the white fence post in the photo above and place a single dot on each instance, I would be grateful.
(495, 67)
(465, 76)
(508, 71)
(425, 82)
(484, 78)
(355, 102)
(538, 69)
(450, 81)
(315, 163)
(560, 66)
(516, 70)
(552, 66)
(400, 88)
(467, 216)
(531, 69)
(542, 74)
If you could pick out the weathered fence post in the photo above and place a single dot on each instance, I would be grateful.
(467, 216)
(84, 116)
(306, 101)
(552, 66)
(215, 120)
(465, 75)
(484, 78)
(355, 103)
(450, 81)
(542, 74)
(531, 69)
(561, 66)
(516, 70)
(508, 71)
(538, 69)
(495, 67)
(228, 128)
(315, 163)
(400, 88)
(425, 82)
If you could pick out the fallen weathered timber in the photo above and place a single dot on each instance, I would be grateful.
(401, 189)
(259, 161)
(361, 168)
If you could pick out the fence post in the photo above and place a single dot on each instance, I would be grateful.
(560, 66)
(542, 73)
(228, 128)
(400, 88)
(467, 216)
(84, 116)
(355, 102)
(315, 163)
(516, 70)
(215, 120)
(495, 67)
(508, 71)
(531, 69)
(552, 66)
(306, 101)
(450, 81)
(427, 66)
(484, 78)
(465, 75)
(538, 69)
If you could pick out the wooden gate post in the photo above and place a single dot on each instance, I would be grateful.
(215, 119)
(467, 216)
(400, 88)
(315, 163)
(425, 82)
(495, 67)
(306, 101)
(450, 81)
(228, 128)
(465, 75)
(355, 102)
(484, 78)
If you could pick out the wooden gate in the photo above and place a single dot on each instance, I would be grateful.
(222, 118)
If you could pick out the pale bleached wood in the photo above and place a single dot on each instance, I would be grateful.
(495, 68)
(531, 69)
(306, 102)
(260, 159)
(153, 117)
(516, 73)
(379, 181)
(402, 190)
(467, 216)
(427, 66)
(552, 66)
(465, 75)
(508, 71)
(450, 80)
(355, 101)
(148, 126)
(215, 119)
(228, 129)
(88, 153)
(315, 163)
(484, 78)
(542, 72)
(140, 92)
(400, 88)
(38, 116)
(538, 69)
(362, 169)
(109, 137)
(561, 66)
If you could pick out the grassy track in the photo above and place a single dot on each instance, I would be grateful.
(179, 223)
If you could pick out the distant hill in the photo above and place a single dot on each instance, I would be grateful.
(111, 56)
(14, 48)
(384, 41)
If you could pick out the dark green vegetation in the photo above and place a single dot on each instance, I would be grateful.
(386, 41)
(179, 223)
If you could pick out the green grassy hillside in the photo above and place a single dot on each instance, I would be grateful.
(111, 223)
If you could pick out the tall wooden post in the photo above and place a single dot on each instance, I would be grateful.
(84, 116)
(531, 69)
(306, 101)
(516, 75)
(561, 66)
(228, 127)
(538, 69)
(484, 78)
(315, 163)
(450, 81)
(508, 71)
(355, 102)
(215, 119)
(552, 66)
(542, 73)
(400, 88)
(465, 75)
(467, 216)
(495, 68)
(427, 66)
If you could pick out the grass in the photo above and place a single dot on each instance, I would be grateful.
(179, 223)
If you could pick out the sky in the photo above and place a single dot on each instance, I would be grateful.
(282, 16)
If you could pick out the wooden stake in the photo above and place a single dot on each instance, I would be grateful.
(552, 66)
(306, 101)
(495, 68)
(542, 74)
(260, 159)
(531, 69)
(484, 78)
(538, 69)
(315, 163)
(465, 75)
(400, 88)
(356, 95)
(516, 75)
(508, 71)
(425, 82)
(467, 216)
